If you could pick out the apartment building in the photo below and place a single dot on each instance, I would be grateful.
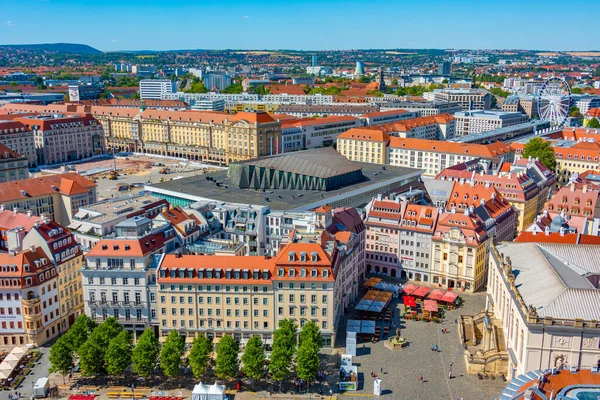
(525, 184)
(119, 276)
(156, 88)
(188, 227)
(433, 156)
(383, 220)
(364, 145)
(469, 99)
(19, 138)
(64, 138)
(458, 256)
(213, 296)
(435, 127)
(311, 133)
(196, 135)
(423, 108)
(63, 251)
(58, 197)
(96, 221)
(217, 80)
(13, 166)
(572, 157)
(386, 117)
(29, 295)
(576, 202)
(471, 122)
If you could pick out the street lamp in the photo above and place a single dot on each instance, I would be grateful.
(132, 394)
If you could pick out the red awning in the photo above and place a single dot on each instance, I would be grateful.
(421, 291)
(449, 297)
(430, 305)
(436, 294)
(410, 288)
(409, 301)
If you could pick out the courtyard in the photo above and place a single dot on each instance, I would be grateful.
(402, 368)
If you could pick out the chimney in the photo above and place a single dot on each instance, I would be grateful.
(562, 231)
(547, 231)
(379, 197)
(572, 187)
(29, 213)
(584, 189)
(534, 231)
(1, 207)
(15, 210)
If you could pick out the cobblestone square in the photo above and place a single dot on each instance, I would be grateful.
(402, 368)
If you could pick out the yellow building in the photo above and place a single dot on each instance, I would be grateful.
(364, 145)
(459, 247)
(243, 297)
(196, 135)
(62, 248)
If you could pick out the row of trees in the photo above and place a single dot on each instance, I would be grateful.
(108, 348)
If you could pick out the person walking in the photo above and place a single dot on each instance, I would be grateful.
(422, 379)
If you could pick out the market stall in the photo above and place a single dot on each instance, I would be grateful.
(430, 309)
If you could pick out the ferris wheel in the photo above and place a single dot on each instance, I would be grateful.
(554, 101)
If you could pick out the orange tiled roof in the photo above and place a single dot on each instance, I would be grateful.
(593, 113)
(409, 124)
(67, 184)
(556, 237)
(128, 247)
(366, 134)
(470, 226)
(475, 150)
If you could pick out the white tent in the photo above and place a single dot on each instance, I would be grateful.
(18, 350)
(200, 392)
(216, 392)
(8, 365)
(12, 357)
(4, 375)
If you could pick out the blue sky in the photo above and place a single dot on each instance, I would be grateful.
(305, 25)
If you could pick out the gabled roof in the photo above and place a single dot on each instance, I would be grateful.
(366, 134)
(67, 184)
(469, 149)
(129, 247)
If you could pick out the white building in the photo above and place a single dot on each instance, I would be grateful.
(156, 88)
(586, 103)
(18, 137)
(217, 80)
(313, 133)
(469, 122)
(546, 298)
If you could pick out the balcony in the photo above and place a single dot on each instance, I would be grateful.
(31, 301)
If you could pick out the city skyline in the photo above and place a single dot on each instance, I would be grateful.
(298, 25)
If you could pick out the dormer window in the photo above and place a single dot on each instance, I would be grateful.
(313, 273)
(302, 273)
(291, 257)
(280, 272)
(303, 256)
(325, 273)
(292, 273)
(314, 257)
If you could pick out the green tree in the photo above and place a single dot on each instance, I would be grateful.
(574, 112)
(541, 149)
(310, 333)
(499, 92)
(307, 360)
(13, 84)
(576, 90)
(197, 86)
(284, 347)
(118, 354)
(200, 355)
(593, 123)
(80, 331)
(91, 356)
(145, 353)
(234, 88)
(394, 82)
(227, 364)
(61, 357)
(171, 353)
(253, 359)
(92, 351)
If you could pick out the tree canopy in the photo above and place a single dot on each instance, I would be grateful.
(197, 86)
(118, 354)
(80, 331)
(145, 353)
(171, 353)
(227, 365)
(307, 359)
(61, 356)
(234, 88)
(284, 347)
(594, 123)
(200, 355)
(253, 359)
(92, 351)
(541, 149)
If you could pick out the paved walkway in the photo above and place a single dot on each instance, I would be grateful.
(402, 369)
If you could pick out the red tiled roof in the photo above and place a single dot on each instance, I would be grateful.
(129, 247)
(367, 134)
(67, 184)
(557, 237)
(475, 150)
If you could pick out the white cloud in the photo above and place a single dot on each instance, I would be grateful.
(10, 23)
(245, 17)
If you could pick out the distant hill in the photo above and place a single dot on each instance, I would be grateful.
(63, 48)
